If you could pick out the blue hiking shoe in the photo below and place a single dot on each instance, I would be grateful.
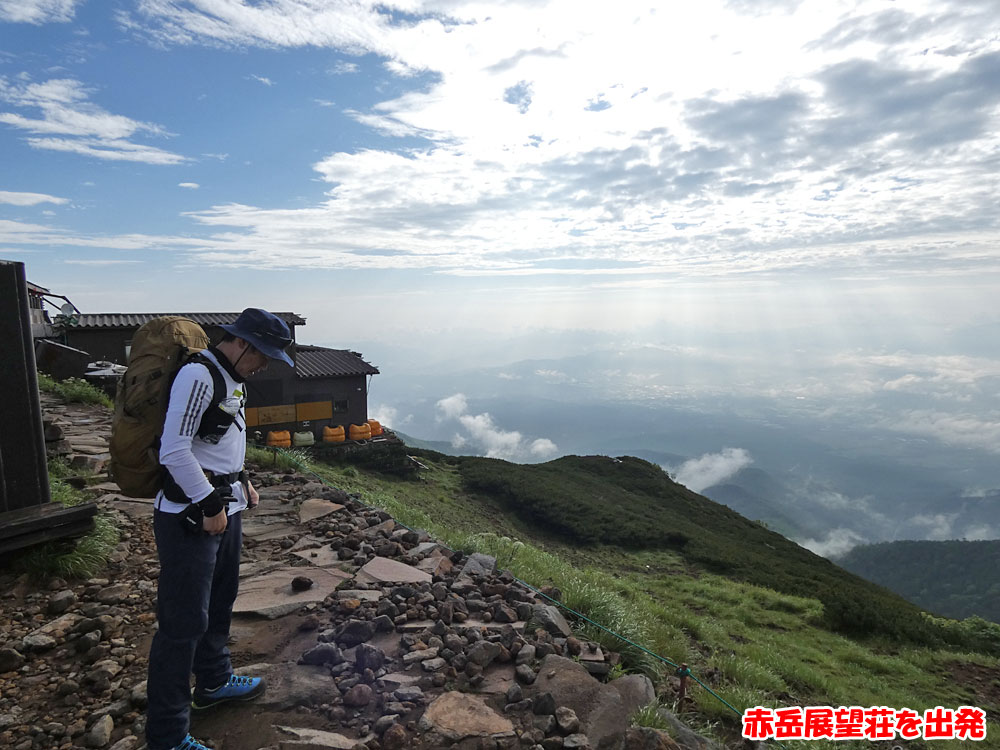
(236, 689)
(190, 743)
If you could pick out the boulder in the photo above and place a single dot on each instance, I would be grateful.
(550, 618)
(603, 712)
(458, 715)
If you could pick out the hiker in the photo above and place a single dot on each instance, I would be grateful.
(198, 526)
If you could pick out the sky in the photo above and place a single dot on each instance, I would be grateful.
(746, 177)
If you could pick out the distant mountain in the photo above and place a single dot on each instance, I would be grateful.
(954, 578)
(440, 446)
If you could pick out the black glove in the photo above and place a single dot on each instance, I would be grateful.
(216, 502)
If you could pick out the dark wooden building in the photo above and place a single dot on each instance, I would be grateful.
(326, 386)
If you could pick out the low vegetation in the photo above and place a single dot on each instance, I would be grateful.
(748, 613)
(74, 390)
(70, 558)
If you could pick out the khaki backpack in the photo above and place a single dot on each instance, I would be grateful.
(159, 349)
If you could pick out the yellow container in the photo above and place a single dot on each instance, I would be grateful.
(360, 431)
(334, 434)
(376, 427)
(303, 439)
(279, 439)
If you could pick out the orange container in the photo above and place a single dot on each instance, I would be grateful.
(334, 434)
(360, 431)
(376, 427)
(279, 439)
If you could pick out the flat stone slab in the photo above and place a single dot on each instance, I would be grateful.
(304, 738)
(269, 509)
(497, 679)
(415, 626)
(270, 595)
(385, 570)
(397, 680)
(321, 557)
(457, 715)
(588, 655)
(365, 595)
(262, 531)
(317, 507)
(290, 685)
(258, 568)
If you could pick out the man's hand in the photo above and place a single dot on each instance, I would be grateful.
(215, 524)
(253, 499)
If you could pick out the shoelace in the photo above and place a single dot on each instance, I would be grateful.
(190, 743)
(239, 681)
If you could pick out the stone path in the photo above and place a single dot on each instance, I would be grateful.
(368, 634)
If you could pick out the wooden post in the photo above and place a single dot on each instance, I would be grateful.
(24, 479)
(683, 673)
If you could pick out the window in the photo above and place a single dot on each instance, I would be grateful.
(340, 406)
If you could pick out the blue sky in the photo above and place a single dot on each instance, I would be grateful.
(449, 173)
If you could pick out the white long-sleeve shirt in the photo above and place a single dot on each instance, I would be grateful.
(184, 454)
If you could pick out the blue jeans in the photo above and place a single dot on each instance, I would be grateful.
(199, 578)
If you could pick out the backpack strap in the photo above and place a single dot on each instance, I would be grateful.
(214, 422)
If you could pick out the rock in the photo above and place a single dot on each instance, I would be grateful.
(60, 602)
(484, 652)
(636, 691)
(600, 708)
(353, 632)
(383, 723)
(100, 734)
(642, 738)
(10, 659)
(114, 594)
(478, 564)
(433, 665)
(420, 655)
(577, 741)
(514, 693)
(526, 655)
(302, 583)
(138, 695)
(567, 720)
(458, 715)
(410, 693)
(542, 704)
(126, 743)
(290, 685)
(359, 695)
(395, 738)
(385, 570)
(271, 595)
(323, 653)
(369, 657)
(315, 507)
(303, 738)
(38, 642)
(550, 618)
(524, 674)
(685, 737)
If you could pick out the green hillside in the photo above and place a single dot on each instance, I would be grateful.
(759, 619)
(954, 578)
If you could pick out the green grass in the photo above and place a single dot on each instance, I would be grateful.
(74, 390)
(70, 558)
(753, 644)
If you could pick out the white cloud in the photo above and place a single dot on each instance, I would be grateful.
(980, 533)
(482, 432)
(29, 199)
(189, 185)
(343, 67)
(100, 262)
(546, 135)
(837, 542)
(979, 431)
(71, 123)
(262, 79)
(543, 448)
(388, 416)
(325, 102)
(451, 407)
(938, 525)
(38, 11)
(711, 469)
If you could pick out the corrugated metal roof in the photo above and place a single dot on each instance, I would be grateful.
(133, 320)
(320, 362)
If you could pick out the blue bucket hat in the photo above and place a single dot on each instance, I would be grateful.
(265, 331)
